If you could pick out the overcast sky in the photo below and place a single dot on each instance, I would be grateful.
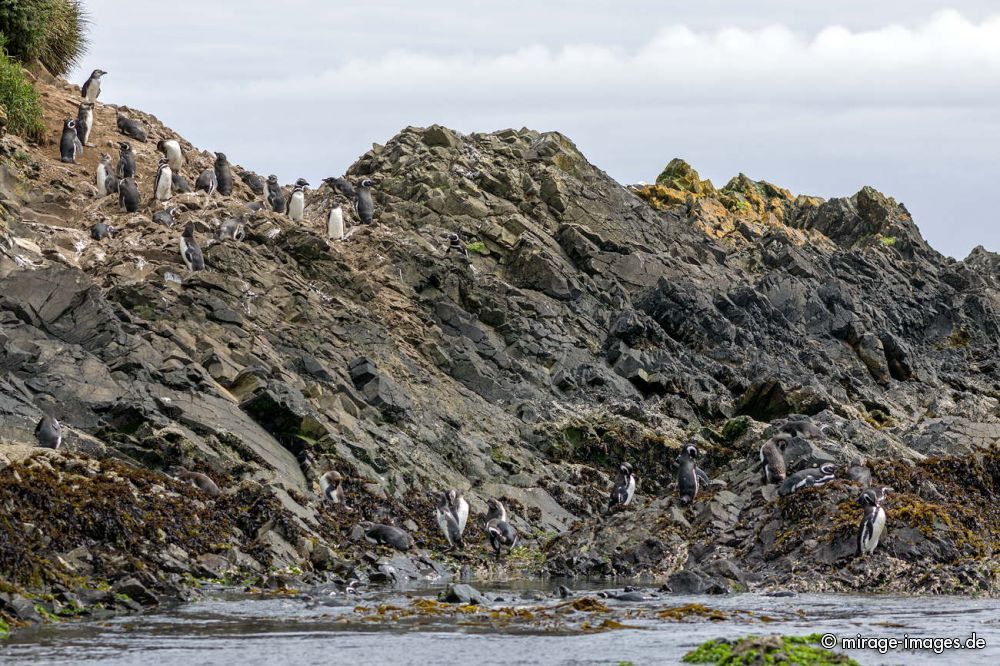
(821, 98)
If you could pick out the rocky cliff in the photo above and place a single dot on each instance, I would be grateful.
(590, 324)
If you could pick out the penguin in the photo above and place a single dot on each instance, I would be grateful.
(297, 201)
(624, 488)
(807, 478)
(207, 182)
(341, 185)
(231, 229)
(331, 483)
(448, 521)
(85, 122)
(166, 216)
(200, 481)
(126, 160)
(190, 252)
(48, 432)
(107, 181)
(500, 532)
(460, 508)
(171, 149)
(131, 128)
(100, 231)
(335, 223)
(772, 461)
(872, 522)
(275, 197)
(702, 477)
(687, 478)
(91, 89)
(128, 195)
(181, 185)
(363, 204)
(387, 535)
(70, 147)
(455, 243)
(223, 175)
(163, 184)
(253, 181)
(803, 428)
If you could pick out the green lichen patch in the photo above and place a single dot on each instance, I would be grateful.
(766, 650)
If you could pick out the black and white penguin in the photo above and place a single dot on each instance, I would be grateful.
(166, 216)
(455, 244)
(107, 181)
(181, 185)
(275, 197)
(253, 181)
(171, 149)
(802, 427)
(331, 484)
(163, 184)
(687, 476)
(297, 201)
(624, 489)
(207, 182)
(126, 160)
(85, 122)
(231, 229)
(128, 195)
(335, 223)
(91, 89)
(772, 460)
(872, 522)
(70, 147)
(363, 203)
(100, 230)
(500, 532)
(808, 478)
(387, 535)
(48, 432)
(341, 185)
(448, 521)
(190, 252)
(460, 507)
(131, 128)
(223, 175)
(202, 482)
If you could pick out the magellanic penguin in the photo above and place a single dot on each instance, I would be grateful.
(181, 185)
(387, 535)
(460, 508)
(166, 216)
(48, 432)
(171, 149)
(687, 476)
(253, 181)
(190, 252)
(91, 89)
(163, 185)
(335, 223)
(207, 182)
(297, 201)
(624, 489)
(126, 160)
(772, 460)
(107, 181)
(223, 175)
(275, 197)
(802, 427)
(131, 128)
(807, 478)
(332, 486)
(872, 522)
(448, 521)
(202, 482)
(455, 244)
(85, 122)
(341, 185)
(101, 230)
(231, 229)
(364, 206)
(128, 195)
(500, 532)
(70, 147)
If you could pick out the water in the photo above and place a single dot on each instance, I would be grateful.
(230, 629)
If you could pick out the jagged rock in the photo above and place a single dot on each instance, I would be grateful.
(460, 593)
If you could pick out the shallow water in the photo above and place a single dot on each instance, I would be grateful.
(230, 629)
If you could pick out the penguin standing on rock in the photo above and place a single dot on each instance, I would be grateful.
(275, 197)
(131, 128)
(70, 147)
(331, 484)
(341, 185)
(126, 160)
(772, 460)
(624, 489)
(363, 203)
(297, 201)
(253, 181)
(85, 122)
(455, 243)
(687, 475)
(107, 181)
(335, 223)
(872, 522)
(171, 149)
(190, 252)
(207, 182)
(48, 432)
(91, 89)
(223, 175)
(447, 520)
(500, 532)
(128, 195)
(808, 478)
(163, 185)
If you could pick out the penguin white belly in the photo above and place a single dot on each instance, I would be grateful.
(164, 185)
(174, 155)
(184, 253)
(296, 207)
(879, 525)
(102, 178)
(335, 225)
(88, 123)
(630, 490)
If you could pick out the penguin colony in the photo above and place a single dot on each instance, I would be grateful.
(452, 509)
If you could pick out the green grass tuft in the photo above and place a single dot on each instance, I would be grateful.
(19, 100)
(65, 37)
(479, 247)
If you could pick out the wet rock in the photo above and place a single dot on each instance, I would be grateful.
(133, 589)
(693, 581)
(460, 593)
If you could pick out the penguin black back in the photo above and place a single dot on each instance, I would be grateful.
(624, 488)
(687, 476)
(48, 432)
(69, 145)
(126, 160)
(223, 175)
(363, 203)
(275, 197)
(128, 195)
(131, 128)
(190, 252)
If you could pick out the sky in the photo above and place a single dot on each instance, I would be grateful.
(820, 98)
